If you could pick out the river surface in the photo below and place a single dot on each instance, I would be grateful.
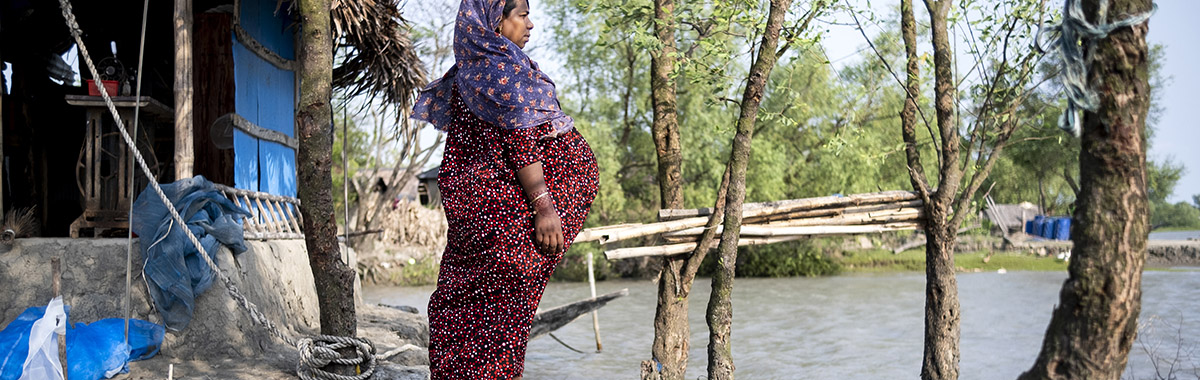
(1175, 235)
(861, 326)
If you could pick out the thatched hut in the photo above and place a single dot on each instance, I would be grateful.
(218, 98)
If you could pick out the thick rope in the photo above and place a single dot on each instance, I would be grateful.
(1075, 41)
(313, 351)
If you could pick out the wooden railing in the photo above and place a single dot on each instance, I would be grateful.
(273, 216)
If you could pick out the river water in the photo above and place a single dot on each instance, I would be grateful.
(861, 326)
(1175, 235)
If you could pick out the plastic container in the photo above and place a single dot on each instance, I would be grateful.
(1062, 229)
(1047, 230)
(109, 85)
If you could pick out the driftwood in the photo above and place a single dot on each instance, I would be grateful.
(757, 211)
(547, 321)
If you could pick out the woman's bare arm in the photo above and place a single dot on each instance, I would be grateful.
(547, 227)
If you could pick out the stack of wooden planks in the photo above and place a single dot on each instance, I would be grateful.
(770, 222)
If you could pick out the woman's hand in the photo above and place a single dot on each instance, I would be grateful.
(547, 229)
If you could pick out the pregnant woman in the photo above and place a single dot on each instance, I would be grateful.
(517, 182)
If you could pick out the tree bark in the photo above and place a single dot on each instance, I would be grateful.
(720, 306)
(942, 319)
(666, 122)
(671, 330)
(1095, 324)
(334, 279)
(908, 115)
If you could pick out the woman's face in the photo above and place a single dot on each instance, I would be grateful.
(516, 25)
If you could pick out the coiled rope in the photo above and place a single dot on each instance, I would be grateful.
(315, 352)
(1075, 41)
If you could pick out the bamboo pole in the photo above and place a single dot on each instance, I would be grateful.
(766, 209)
(183, 89)
(676, 214)
(825, 212)
(2, 171)
(675, 249)
(765, 230)
(595, 314)
(56, 285)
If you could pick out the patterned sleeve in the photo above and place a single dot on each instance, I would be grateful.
(521, 147)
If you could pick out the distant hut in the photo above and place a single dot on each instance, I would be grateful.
(234, 100)
(428, 187)
(1012, 217)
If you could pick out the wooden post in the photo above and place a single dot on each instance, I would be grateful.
(183, 89)
(2, 90)
(3, 86)
(595, 316)
(56, 281)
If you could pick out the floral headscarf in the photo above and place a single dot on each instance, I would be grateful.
(496, 80)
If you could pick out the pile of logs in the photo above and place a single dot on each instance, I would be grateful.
(770, 222)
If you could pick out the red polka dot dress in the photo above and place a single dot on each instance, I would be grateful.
(492, 276)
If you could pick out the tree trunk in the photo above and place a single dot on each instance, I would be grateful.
(908, 115)
(942, 319)
(940, 360)
(671, 330)
(666, 123)
(720, 307)
(334, 280)
(1095, 324)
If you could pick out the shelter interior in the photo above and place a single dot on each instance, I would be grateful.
(53, 158)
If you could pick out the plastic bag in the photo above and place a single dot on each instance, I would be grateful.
(14, 342)
(42, 362)
(94, 351)
(98, 350)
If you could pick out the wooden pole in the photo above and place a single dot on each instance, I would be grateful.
(768, 208)
(595, 315)
(56, 284)
(183, 89)
(2, 90)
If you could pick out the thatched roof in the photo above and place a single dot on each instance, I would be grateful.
(380, 60)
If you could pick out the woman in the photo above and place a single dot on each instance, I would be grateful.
(517, 182)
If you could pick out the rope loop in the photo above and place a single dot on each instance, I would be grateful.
(1075, 40)
(322, 350)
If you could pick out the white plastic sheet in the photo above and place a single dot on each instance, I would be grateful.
(43, 362)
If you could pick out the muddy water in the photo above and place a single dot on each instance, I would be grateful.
(851, 327)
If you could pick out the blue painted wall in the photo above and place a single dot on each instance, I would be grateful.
(264, 95)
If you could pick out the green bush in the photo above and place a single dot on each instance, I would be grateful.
(789, 259)
(573, 266)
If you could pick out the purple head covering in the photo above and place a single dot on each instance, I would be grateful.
(496, 80)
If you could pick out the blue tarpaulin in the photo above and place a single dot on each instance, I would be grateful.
(96, 350)
(175, 272)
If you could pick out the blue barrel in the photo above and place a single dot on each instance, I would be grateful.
(1047, 230)
(1062, 229)
(1036, 227)
(1029, 227)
